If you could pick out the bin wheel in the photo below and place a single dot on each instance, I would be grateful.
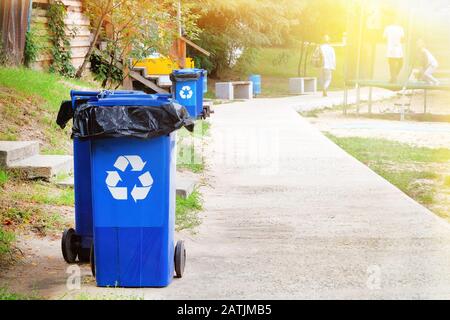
(180, 259)
(92, 260)
(84, 255)
(69, 245)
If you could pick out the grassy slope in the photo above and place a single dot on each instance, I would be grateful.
(51, 88)
(422, 173)
(29, 102)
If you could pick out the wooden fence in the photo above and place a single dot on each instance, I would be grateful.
(76, 23)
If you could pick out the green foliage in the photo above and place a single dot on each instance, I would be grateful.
(60, 50)
(105, 72)
(32, 47)
(234, 27)
(186, 211)
(3, 177)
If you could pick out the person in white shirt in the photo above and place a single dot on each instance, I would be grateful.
(394, 35)
(429, 63)
(328, 65)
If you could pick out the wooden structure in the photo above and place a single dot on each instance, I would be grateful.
(75, 21)
(13, 28)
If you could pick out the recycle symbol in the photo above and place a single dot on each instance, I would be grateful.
(137, 165)
(186, 92)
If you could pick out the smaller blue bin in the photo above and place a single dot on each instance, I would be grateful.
(256, 79)
(188, 89)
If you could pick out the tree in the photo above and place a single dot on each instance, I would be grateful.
(232, 30)
(134, 29)
(97, 11)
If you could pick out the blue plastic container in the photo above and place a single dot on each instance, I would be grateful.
(188, 89)
(257, 88)
(205, 82)
(133, 205)
(82, 170)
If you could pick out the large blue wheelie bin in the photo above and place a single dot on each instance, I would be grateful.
(131, 181)
(76, 243)
(188, 87)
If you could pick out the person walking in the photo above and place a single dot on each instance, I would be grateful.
(328, 64)
(429, 63)
(394, 35)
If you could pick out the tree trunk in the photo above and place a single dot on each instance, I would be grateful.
(299, 68)
(91, 48)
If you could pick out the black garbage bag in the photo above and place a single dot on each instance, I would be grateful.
(129, 121)
(65, 114)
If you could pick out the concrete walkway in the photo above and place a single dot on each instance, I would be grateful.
(303, 219)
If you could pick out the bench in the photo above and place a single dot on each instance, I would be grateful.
(234, 90)
(302, 85)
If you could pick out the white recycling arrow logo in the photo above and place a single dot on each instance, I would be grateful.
(137, 165)
(186, 92)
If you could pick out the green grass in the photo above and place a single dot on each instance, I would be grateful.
(375, 150)
(186, 211)
(42, 193)
(6, 240)
(414, 170)
(52, 88)
(4, 177)
(5, 294)
(447, 181)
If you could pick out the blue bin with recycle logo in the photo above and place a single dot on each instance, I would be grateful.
(132, 171)
(189, 88)
(76, 242)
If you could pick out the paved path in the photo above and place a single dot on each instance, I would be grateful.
(289, 215)
(304, 220)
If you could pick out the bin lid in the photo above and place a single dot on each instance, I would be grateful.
(144, 101)
(186, 74)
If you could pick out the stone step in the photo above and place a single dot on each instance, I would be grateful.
(12, 151)
(164, 82)
(43, 166)
(185, 186)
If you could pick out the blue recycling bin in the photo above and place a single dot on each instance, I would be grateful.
(76, 243)
(188, 89)
(128, 144)
(257, 87)
(133, 203)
